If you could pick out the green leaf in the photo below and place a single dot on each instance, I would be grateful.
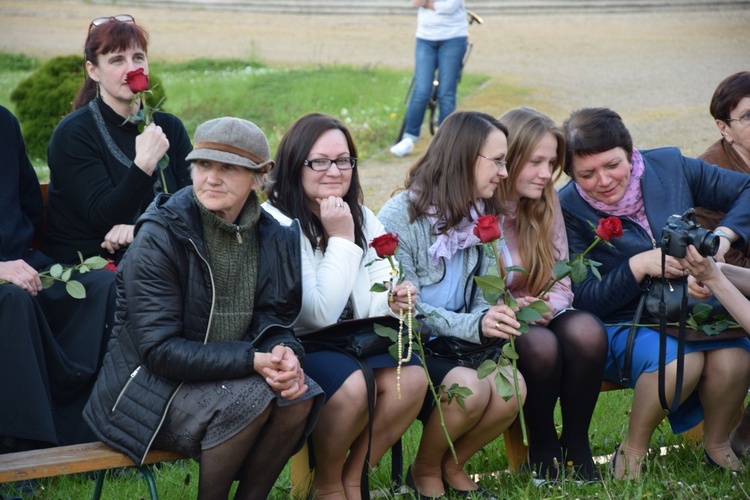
(83, 268)
(517, 269)
(509, 352)
(66, 274)
(56, 271)
(561, 269)
(163, 163)
(75, 289)
(378, 288)
(528, 314)
(490, 284)
(486, 368)
(385, 331)
(596, 273)
(539, 306)
(579, 270)
(511, 302)
(47, 281)
(524, 328)
(95, 262)
(504, 385)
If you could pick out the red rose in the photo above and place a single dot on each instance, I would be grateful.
(487, 228)
(137, 80)
(385, 245)
(110, 266)
(609, 228)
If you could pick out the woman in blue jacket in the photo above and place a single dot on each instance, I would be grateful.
(644, 189)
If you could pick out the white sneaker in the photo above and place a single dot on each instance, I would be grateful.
(404, 147)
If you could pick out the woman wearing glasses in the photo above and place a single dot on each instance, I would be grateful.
(316, 182)
(730, 107)
(103, 170)
(454, 182)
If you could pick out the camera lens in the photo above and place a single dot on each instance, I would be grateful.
(705, 241)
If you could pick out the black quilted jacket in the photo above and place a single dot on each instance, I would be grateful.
(164, 306)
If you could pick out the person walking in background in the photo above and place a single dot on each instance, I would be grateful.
(316, 182)
(447, 190)
(203, 359)
(103, 171)
(730, 107)
(441, 38)
(643, 189)
(562, 356)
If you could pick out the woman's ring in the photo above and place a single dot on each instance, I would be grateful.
(497, 325)
(339, 205)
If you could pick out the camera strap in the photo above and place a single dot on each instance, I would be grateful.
(663, 345)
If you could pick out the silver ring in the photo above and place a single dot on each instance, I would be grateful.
(339, 205)
(497, 325)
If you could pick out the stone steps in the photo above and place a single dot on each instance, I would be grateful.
(482, 7)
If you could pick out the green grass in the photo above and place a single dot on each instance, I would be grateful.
(371, 102)
(680, 473)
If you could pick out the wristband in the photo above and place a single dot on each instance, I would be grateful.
(722, 234)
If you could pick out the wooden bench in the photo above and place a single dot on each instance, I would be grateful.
(77, 458)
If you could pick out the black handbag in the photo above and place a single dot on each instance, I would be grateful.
(464, 353)
(355, 336)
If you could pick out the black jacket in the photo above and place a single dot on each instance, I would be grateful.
(165, 298)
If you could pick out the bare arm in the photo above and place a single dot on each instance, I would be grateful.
(707, 272)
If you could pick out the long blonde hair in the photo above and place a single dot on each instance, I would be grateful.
(534, 218)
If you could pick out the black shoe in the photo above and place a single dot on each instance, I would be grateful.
(477, 493)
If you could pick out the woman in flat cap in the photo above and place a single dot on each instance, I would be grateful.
(203, 358)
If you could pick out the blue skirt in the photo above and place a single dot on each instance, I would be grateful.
(646, 359)
(331, 368)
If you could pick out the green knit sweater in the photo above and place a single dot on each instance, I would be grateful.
(232, 251)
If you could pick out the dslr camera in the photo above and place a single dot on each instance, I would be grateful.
(682, 230)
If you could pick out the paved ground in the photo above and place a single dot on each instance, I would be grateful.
(658, 69)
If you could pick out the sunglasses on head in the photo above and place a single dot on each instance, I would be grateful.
(123, 18)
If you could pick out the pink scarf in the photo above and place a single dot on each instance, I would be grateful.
(631, 203)
(456, 238)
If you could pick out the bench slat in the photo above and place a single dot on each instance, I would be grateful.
(71, 459)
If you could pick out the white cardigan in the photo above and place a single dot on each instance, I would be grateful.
(329, 279)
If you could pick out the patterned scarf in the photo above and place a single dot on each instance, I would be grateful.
(456, 238)
(631, 204)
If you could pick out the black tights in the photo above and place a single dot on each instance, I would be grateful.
(255, 456)
(565, 359)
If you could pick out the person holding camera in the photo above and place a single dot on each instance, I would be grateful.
(645, 189)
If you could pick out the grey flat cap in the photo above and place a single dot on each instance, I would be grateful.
(234, 141)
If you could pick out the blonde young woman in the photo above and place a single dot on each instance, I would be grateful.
(562, 357)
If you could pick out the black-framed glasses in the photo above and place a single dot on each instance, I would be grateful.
(744, 120)
(323, 164)
(498, 163)
(123, 18)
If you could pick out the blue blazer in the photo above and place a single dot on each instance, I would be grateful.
(671, 184)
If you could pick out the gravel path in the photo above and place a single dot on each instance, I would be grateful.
(657, 69)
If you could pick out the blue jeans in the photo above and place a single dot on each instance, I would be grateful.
(443, 57)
